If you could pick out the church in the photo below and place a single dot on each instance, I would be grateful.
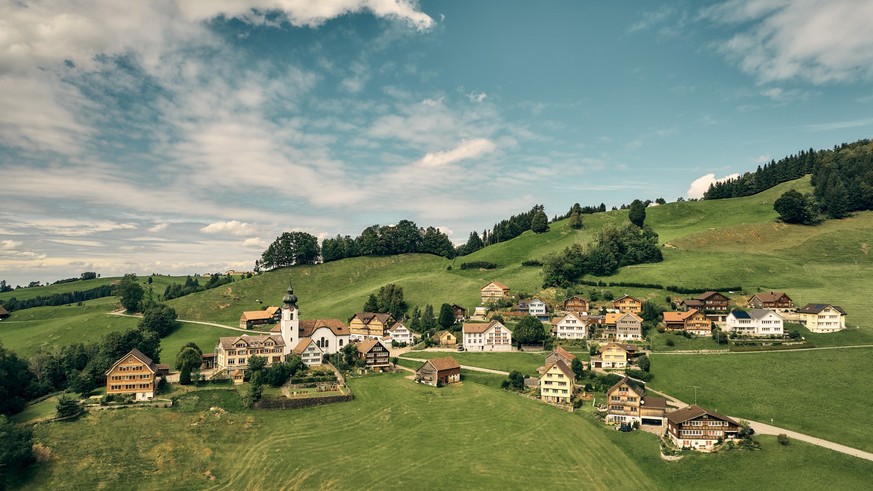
(290, 335)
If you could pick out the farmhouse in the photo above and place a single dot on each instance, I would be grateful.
(627, 403)
(445, 338)
(309, 352)
(439, 372)
(493, 291)
(627, 303)
(252, 318)
(133, 373)
(771, 300)
(708, 302)
(571, 326)
(693, 321)
(822, 318)
(491, 336)
(575, 304)
(624, 326)
(369, 325)
(460, 312)
(233, 352)
(611, 356)
(696, 428)
(374, 354)
(557, 383)
(400, 334)
(755, 322)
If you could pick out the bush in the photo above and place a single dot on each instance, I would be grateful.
(639, 374)
(782, 438)
(68, 407)
(532, 262)
(670, 342)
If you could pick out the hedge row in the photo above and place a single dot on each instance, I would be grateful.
(478, 265)
(658, 286)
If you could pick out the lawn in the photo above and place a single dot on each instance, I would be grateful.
(526, 363)
(206, 337)
(801, 391)
(681, 343)
(387, 438)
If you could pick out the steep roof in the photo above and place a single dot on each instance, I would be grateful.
(256, 315)
(228, 342)
(688, 413)
(480, 327)
(740, 314)
(272, 310)
(397, 326)
(303, 344)
(558, 320)
(564, 354)
(630, 383)
(336, 326)
(563, 368)
(678, 316)
(619, 299)
(497, 284)
(575, 297)
(770, 297)
(3, 311)
(145, 360)
(445, 363)
(705, 295)
(815, 308)
(367, 317)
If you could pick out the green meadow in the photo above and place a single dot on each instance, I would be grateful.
(400, 435)
(526, 363)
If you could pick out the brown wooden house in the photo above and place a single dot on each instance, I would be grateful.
(699, 429)
(460, 312)
(3, 313)
(134, 373)
(771, 300)
(693, 321)
(374, 354)
(708, 302)
(439, 371)
(627, 403)
(575, 304)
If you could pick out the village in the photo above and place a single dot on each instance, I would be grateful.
(612, 334)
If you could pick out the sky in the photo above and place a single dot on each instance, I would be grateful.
(182, 137)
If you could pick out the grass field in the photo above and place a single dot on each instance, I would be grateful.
(400, 435)
(823, 393)
(159, 284)
(525, 363)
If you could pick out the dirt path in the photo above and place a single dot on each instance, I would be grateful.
(466, 367)
(121, 313)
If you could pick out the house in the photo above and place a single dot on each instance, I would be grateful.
(309, 352)
(233, 352)
(491, 336)
(693, 321)
(612, 356)
(276, 312)
(374, 353)
(627, 303)
(329, 334)
(494, 291)
(369, 325)
(3, 313)
(439, 372)
(754, 322)
(537, 308)
(628, 326)
(133, 373)
(557, 383)
(252, 318)
(822, 317)
(479, 314)
(575, 304)
(708, 302)
(460, 312)
(445, 338)
(560, 354)
(627, 403)
(400, 334)
(771, 300)
(570, 326)
(696, 428)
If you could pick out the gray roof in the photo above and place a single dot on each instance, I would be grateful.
(752, 313)
(815, 308)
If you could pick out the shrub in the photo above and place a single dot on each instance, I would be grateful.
(782, 438)
(68, 406)
(532, 262)
(478, 265)
(638, 374)
(669, 342)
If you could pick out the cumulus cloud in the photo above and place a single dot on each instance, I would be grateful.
(9, 245)
(477, 96)
(255, 242)
(466, 150)
(702, 183)
(232, 227)
(159, 227)
(821, 42)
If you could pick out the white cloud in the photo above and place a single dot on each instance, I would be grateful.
(763, 159)
(159, 227)
(466, 150)
(702, 183)
(255, 242)
(477, 96)
(821, 42)
(9, 245)
(232, 227)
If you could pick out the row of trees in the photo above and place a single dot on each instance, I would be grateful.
(384, 240)
(512, 227)
(768, 175)
(56, 299)
(611, 249)
(193, 285)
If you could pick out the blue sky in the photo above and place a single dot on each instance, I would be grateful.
(183, 137)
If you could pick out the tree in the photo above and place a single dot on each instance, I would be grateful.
(68, 407)
(289, 249)
(371, 305)
(794, 207)
(637, 213)
(428, 321)
(540, 222)
(529, 330)
(15, 382)
(447, 316)
(575, 220)
(650, 312)
(578, 368)
(643, 362)
(160, 319)
(16, 453)
(515, 381)
(130, 293)
(188, 361)
(390, 299)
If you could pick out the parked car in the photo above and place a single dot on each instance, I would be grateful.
(460, 347)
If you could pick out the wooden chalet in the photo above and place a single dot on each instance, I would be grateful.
(575, 304)
(627, 303)
(374, 354)
(708, 302)
(370, 325)
(699, 429)
(439, 371)
(133, 373)
(493, 291)
(693, 321)
(460, 312)
(252, 318)
(627, 403)
(3, 313)
(771, 300)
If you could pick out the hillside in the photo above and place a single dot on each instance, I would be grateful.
(707, 243)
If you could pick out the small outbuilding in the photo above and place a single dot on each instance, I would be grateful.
(439, 371)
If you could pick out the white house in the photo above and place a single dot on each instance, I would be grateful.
(571, 326)
(537, 308)
(491, 336)
(819, 317)
(400, 333)
(754, 322)
(309, 352)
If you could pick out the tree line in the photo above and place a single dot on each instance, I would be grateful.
(56, 299)
(384, 240)
(769, 175)
(192, 285)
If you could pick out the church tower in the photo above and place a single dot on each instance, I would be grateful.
(290, 324)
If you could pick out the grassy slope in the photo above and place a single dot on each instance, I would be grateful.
(400, 435)
(822, 393)
(525, 363)
(159, 284)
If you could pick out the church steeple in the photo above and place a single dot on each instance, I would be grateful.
(290, 324)
(290, 299)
